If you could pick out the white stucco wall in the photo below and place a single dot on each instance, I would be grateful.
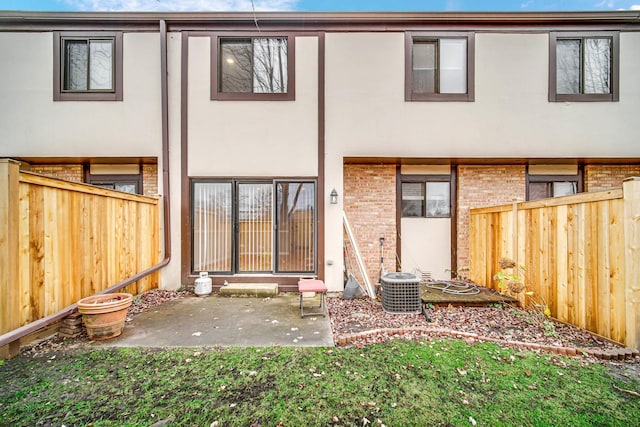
(32, 124)
(253, 138)
(510, 117)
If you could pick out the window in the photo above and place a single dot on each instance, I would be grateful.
(87, 66)
(430, 199)
(261, 226)
(127, 183)
(546, 186)
(583, 66)
(252, 68)
(439, 67)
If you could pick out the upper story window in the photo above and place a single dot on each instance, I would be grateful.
(253, 68)
(439, 66)
(583, 66)
(87, 66)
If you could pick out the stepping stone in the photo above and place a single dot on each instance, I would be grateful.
(261, 290)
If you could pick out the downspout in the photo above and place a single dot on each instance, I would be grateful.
(22, 331)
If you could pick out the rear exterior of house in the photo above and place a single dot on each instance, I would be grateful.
(412, 118)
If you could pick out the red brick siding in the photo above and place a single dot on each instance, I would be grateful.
(73, 173)
(370, 205)
(606, 177)
(150, 180)
(481, 186)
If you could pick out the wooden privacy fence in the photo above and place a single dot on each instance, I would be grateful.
(581, 254)
(62, 241)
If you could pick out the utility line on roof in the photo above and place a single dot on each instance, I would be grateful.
(255, 18)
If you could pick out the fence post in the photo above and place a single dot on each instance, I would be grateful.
(631, 195)
(9, 234)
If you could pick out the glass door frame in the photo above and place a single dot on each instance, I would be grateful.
(236, 225)
(276, 269)
(234, 183)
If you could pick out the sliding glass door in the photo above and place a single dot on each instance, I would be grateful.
(212, 221)
(253, 226)
(295, 218)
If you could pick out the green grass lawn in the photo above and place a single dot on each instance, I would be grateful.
(396, 384)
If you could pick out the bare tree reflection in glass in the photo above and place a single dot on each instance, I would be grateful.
(583, 66)
(253, 65)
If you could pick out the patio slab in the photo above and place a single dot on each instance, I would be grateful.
(225, 321)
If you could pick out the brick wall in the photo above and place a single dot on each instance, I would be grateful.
(606, 177)
(480, 186)
(370, 205)
(150, 180)
(73, 173)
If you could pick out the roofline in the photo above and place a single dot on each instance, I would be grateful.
(619, 16)
(313, 20)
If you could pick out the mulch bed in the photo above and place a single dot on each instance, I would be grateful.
(356, 318)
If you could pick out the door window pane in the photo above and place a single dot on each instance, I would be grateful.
(296, 226)
(126, 187)
(564, 188)
(453, 66)
(255, 227)
(212, 227)
(538, 190)
(438, 203)
(412, 199)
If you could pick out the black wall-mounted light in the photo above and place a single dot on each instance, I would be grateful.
(333, 197)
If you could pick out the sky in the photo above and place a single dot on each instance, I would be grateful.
(319, 5)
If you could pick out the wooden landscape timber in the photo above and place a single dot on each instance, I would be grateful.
(62, 241)
(581, 254)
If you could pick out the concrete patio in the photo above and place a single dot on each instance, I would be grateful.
(225, 321)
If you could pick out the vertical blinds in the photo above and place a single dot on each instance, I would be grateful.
(234, 228)
(212, 227)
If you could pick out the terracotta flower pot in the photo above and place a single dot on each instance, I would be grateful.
(104, 315)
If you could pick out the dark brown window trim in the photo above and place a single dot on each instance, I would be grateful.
(94, 179)
(290, 95)
(59, 94)
(423, 179)
(577, 178)
(408, 67)
(614, 96)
